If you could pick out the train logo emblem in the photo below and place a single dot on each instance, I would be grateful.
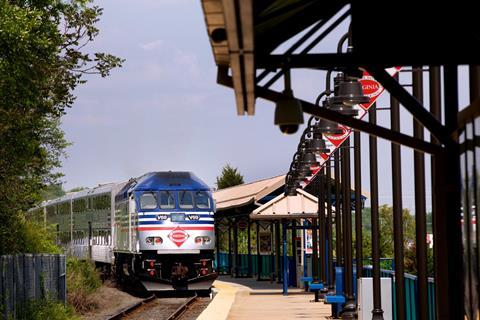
(178, 236)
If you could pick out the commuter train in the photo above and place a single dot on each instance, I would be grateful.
(157, 229)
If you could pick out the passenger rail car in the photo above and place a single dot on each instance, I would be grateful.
(157, 229)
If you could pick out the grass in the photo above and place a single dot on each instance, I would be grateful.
(47, 309)
(82, 281)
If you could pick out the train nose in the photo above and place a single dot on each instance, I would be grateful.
(179, 271)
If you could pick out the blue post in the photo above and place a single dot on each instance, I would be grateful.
(285, 260)
(305, 269)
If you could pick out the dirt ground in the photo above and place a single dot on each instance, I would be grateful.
(110, 301)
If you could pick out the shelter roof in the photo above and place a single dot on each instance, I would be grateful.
(303, 205)
(247, 193)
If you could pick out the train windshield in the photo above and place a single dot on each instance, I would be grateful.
(185, 200)
(148, 201)
(167, 201)
(202, 200)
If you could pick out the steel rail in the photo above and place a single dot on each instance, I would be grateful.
(183, 308)
(132, 308)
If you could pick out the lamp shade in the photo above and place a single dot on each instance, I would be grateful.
(310, 160)
(328, 127)
(290, 192)
(336, 104)
(350, 92)
(317, 144)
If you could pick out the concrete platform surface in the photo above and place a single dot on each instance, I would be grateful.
(251, 299)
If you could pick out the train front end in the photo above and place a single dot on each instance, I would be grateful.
(176, 234)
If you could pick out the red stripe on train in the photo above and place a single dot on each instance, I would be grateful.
(171, 228)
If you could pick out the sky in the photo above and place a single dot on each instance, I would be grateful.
(164, 111)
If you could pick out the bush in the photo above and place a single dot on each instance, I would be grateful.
(82, 280)
(34, 237)
(46, 309)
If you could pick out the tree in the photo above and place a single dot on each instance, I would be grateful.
(385, 214)
(229, 177)
(52, 191)
(42, 61)
(76, 189)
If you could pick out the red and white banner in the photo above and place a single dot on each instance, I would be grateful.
(372, 89)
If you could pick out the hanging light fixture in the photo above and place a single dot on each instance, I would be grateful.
(327, 126)
(310, 160)
(288, 111)
(336, 104)
(350, 92)
(290, 192)
(317, 144)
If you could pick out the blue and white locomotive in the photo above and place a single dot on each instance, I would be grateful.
(157, 229)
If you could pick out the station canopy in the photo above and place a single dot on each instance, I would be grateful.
(246, 37)
(245, 194)
(302, 206)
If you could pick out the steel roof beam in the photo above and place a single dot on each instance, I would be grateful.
(310, 108)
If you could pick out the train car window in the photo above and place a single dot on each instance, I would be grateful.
(166, 200)
(185, 200)
(202, 200)
(148, 201)
(51, 211)
(79, 205)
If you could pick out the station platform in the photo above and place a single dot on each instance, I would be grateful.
(246, 298)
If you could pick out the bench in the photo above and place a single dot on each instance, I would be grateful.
(307, 281)
(316, 287)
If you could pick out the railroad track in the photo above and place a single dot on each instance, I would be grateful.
(157, 308)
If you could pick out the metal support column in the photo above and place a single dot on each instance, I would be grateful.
(338, 212)
(420, 206)
(249, 249)
(235, 247)
(217, 244)
(259, 257)
(230, 260)
(272, 254)
(277, 252)
(285, 259)
(357, 160)
(448, 250)
(321, 226)
(436, 110)
(350, 308)
(397, 212)
(331, 271)
(314, 250)
(377, 302)
(294, 250)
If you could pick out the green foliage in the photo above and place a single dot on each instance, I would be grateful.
(42, 60)
(46, 309)
(76, 189)
(229, 177)
(33, 237)
(82, 280)
(386, 237)
(385, 213)
(53, 191)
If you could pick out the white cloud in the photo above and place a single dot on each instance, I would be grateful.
(152, 45)
(188, 60)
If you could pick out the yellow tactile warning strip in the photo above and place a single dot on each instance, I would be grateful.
(221, 304)
(236, 301)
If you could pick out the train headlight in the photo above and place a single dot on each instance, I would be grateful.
(193, 216)
(158, 240)
(149, 240)
(202, 240)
